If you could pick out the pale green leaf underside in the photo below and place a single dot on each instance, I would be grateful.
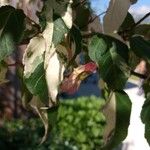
(117, 110)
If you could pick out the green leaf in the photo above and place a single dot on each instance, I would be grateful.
(60, 29)
(140, 47)
(128, 22)
(117, 112)
(145, 113)
(34, 73)
(112, 56)
(77, 39)
(36, 83)
(54, 76)
(11, 29)
(64, 10)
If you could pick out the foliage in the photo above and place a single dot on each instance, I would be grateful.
(55, 37)
(79, 126)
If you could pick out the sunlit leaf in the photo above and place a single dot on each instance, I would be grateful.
(60, 29)
(37, 105)
(115, 15)
(112, 57)
(54, 76)
(34, 73)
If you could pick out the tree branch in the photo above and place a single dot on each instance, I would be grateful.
(142, 76)
(142, 19)
(92, 19)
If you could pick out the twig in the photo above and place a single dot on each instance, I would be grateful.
(142, 76)
(143, 18)
(134, 25)
(92, 19)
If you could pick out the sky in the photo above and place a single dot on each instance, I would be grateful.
(137, 10)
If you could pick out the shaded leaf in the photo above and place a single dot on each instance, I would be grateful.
(143, 29)
(82, 16)
(77, 39)
(11, 29)
(140, 47)
(145, 113)
(117, 112)
(37, 105)
(129, 21)
(112, 56)
(33, 55)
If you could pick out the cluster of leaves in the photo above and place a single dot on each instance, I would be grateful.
(80, 125)
(55, 42)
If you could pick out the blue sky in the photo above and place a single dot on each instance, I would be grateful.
(137, 10)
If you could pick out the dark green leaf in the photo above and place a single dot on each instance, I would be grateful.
(145, 113)
(117, 112)
(112, 56)
(82, 17)
(77, 38)
(127, 23)
(143, 29)
(140, 47)
(11, 29)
